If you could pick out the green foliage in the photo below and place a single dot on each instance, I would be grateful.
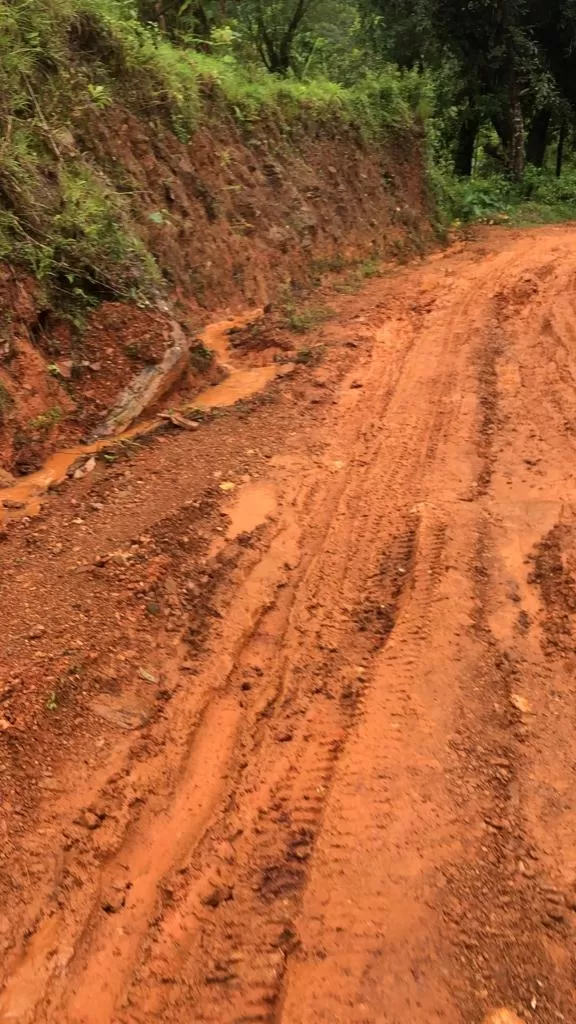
(310, 355)
(47, 419)
(201, 358)
(539, 197)
(6, 402)
(475, 199)
(477, 74)
(302, 320)
(65, 62)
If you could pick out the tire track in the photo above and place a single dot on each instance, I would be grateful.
(342, 810)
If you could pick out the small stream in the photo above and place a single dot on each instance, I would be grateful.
(24, 496)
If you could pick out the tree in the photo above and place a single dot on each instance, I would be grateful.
(514, 58)
(274, 27)
(289, 35)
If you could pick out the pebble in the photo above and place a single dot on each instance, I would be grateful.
(113, 901)
(89, 820)
(219, 894)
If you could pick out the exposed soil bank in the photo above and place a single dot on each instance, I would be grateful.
(241, 215)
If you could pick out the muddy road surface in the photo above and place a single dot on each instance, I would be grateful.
(288, 720)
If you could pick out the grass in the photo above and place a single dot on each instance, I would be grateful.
(539, 198)
(363, 271)
(47, 419)
(6, 401)
(302, 320)
(310, 355)
(201, 357)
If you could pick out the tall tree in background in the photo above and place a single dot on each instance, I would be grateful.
(514, 58)
(508, 64)
(274, 27)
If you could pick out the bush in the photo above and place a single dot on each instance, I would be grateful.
(474, 199)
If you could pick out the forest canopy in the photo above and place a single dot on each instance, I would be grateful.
(503, 71)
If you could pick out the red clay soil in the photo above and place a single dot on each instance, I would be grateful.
(303, 750)
(241, 215)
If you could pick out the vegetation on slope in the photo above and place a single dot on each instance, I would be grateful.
(493, 78)
(63, 60)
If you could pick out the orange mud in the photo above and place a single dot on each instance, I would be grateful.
(287, 702)
(23, 498)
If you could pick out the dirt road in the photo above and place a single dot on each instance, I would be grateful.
(304, 749)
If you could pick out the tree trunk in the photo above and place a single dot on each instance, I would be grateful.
(516, 153)
(467, 135)
(537, 138)
(560, 149)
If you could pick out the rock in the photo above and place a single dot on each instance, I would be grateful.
(87, 819)
(11, 504)
(113, 901)
(125, 717)
(88, 467)
(177, 420)
(356, 384)
(150, 385)
(520, 703)
(285, 737)
(217, 895)
(36, 632)
(65, 368)
(148, 677)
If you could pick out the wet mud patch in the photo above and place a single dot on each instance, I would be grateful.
(493, 909)
(554, 573)
(489, 416)
(378, 612)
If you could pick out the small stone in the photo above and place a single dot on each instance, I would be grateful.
(219, 977)
(520, 703)
(89, 820)
(555, 913)
(285, 737)
(36, 632)
(113, 901)
(218, 894)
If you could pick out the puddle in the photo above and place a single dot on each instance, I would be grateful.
(255, 503)
(23, 497)
(253, 506)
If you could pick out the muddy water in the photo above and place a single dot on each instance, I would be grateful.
(255, 503)
(23, 498)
